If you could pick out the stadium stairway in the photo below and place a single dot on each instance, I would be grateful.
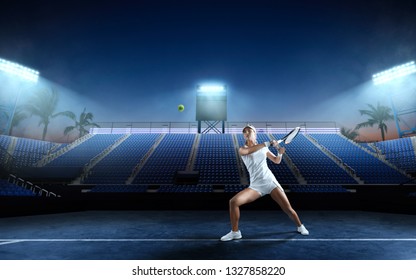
(50, 157)
(117, 166)
(99, 157)
(12, 145)
(368, 158)
(314, 165)
(334, 158)
(377, 155)
(292, 166)
(295, 170)
(168, 162)
(144, 159)
(399, 152)
(191, 162)
(374, 148)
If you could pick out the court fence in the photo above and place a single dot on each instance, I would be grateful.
(229, 127)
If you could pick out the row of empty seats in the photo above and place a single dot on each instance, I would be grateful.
(368, 167)
(119, 188)
(315, 166)
(399, 152)
(10, 189)
(119, 164)
(201, 188)
(318, 189)
(171, 155)
(216, 160)
(186, 188)
(143, 159)
(82, 154)
(28, 151)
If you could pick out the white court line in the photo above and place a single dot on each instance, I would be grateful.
(9, 241)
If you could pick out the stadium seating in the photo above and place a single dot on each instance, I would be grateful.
(399, 152)
(368, 167)
(170, 156)
(4, 141)
(4, 145)
(318, 188)
(157, 158)
(10, 189)
(185, 188)
(119, 188)
(81, 155)
(28, 151)
(234, 188)
(314, 165)
(118, 165)
(216, 160)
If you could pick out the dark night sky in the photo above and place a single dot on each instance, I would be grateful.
(137, 60)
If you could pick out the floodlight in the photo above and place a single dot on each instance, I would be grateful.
(211, 88)
(25, 74)
(389, 75)
(19, 70)
(211, 106)
(394, 73)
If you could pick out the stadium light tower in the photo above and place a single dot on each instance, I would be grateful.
(211, 106)
(24, 74)
(390, 75)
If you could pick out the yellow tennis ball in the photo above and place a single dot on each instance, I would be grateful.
(181, 108)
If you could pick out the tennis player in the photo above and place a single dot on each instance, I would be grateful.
(262, 182)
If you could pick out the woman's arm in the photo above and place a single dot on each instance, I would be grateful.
(245, 150)
(276, 159)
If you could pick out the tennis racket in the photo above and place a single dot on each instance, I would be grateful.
(290, 136)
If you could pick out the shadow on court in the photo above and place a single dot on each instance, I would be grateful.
(183, 235)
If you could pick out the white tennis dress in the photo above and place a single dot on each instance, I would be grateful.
(262, 179)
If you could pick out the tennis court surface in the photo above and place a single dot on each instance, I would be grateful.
(194, 235)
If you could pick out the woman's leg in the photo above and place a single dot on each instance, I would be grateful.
(280, 197)
(243, 197)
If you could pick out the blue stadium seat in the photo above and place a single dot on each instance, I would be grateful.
(119, 188)
(80, 155)
(216, 160)
(10, 189)
(118, 165)
(367, 167)
(185, 188)
(314, 165)
(399, 152)
(171, 155)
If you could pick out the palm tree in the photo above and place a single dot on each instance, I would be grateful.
(84, 121)
(349, 133)
(43, 104)
(377, 115)
(17, 118)
(4, 117)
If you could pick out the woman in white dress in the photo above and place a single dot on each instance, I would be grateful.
(262, 182)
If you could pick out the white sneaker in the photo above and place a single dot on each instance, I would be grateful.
(232, 235)
(302, 230)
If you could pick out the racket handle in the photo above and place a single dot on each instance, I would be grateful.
(279, 141)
